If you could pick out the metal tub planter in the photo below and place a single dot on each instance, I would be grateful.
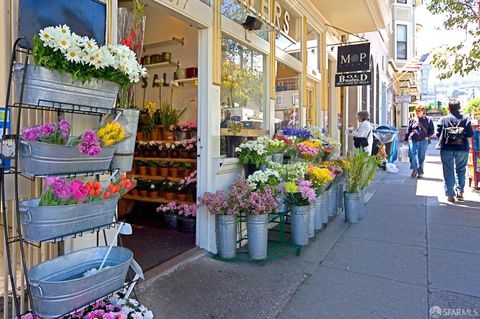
(41, 223)
(352, 203)
(43, 86)
(37, 158)
(257, 230)
(300, 220)
(58, 285)
(226, 231)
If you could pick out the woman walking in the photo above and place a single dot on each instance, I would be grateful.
(419, 130)
(363, 136)
(453, 132)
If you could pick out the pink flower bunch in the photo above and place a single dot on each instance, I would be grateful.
(58, 191)
(216, 203)
(89, 144)
(52, 133)
(239, 194)
(186, 210)
(307, 151)
(187, 126)
(168, 209)
(189, 144)
(188, 183)
(306, 190)
(262, 202)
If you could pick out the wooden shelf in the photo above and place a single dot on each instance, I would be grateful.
(181, 81)
(150, 200)
(245, 132)
(172, 41)
(155, 178)
(161, 65)
(160, 159)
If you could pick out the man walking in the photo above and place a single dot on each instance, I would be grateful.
(419, 131)
(453, 132)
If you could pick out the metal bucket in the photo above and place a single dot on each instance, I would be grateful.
(361, 205)
(226, 230)
(257, 232)
(311, 223)
(340, 190)
(318, 213)
(331, 200)
(277, 158)
(43, 86)
(42, 223)
(300, 220)
(282, 203)
(58, 285)
(123, 157)
(324, 208)
(37, 158)
(352, 201)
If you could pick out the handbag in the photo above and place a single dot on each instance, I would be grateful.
(359, 142)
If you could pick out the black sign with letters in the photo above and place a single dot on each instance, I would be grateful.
(353, 79)
(353, 58)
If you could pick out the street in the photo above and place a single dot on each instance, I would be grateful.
(413, 253)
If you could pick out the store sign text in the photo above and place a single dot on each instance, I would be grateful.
(353, 79)
(261, 8)
(352, 58)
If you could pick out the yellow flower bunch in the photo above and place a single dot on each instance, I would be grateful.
(111, 133)
(319, 176)
(291, 187)
(313, 143)
(150, 106)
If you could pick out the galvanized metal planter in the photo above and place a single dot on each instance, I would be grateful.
(226, 231)
(44, 85)
(324, 200)
(352, 202)
(277, 158)
(58, 285)
(282, 203)
(123, 157)
(340, 191)
(332, 200)
(361, 205)
(257, 232)
(300, 220)
(41, 223)
(319, 208)
(37, 158)
(311, 224)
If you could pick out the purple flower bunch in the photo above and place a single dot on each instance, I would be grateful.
(186, 210)
(58, 191)
(89, 144)
(263, 201)
(168, 209)
(51, 133)
(216, 203)
(301, 133)
(307, 151)
(239, 194)
(305, 188)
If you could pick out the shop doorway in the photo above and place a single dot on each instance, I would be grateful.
(165, 169)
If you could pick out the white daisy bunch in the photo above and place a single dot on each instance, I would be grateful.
(261, 178)
(253, 146)
(252, 152)
(83, 50)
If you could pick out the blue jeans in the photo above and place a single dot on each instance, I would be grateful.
(454, 170)
(416, 153)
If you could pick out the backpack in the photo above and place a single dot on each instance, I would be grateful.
(455, 134)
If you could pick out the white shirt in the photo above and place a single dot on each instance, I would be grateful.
(365, 130)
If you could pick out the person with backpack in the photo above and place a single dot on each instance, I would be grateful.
(419, 131)
(453, 132)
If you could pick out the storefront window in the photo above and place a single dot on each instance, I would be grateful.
(313, 48)
(290, 24)
(235, 11)
(287, 97)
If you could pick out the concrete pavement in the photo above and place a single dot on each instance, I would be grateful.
(413, 253)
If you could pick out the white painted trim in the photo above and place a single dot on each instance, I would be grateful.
(235, 31)
(195, 12)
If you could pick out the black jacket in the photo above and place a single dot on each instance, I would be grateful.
(419, 129)
(452, 119)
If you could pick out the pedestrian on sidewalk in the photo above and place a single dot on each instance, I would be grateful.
(418, 134)
(453, 132)
(363, 136)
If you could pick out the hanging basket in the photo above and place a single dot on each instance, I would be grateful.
(41, 223)
(43, 87)
(58, 285)
(37, 158)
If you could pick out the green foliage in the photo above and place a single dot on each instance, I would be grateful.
(170, 116)
(463, 56)
(146, 123)
(473, 105)
(55, 61)
(361, 170)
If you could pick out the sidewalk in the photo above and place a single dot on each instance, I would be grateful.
(413, 251)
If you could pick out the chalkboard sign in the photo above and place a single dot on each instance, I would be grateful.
(84, 17)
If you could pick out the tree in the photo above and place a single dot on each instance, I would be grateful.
(463, 56)
(473, 106)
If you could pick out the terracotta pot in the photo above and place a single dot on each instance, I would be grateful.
(169, 196)
(190, 197)
(133, 192)
(174, 153)
(182, 197)
(134, 170)
(153, 194)
(153, 170)
(143, 193)
(142, 170)
(173, 172)
(164, 171)
(187, 172)
(140, 136)
(181, 172)
(163, 154)
(184, 154)
(155, 136)
(169, 136)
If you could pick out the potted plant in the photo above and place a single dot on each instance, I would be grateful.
(253, 155)
(187, 169)
(170, 117)
(183, 152)
(300, 195)
(163, 151)
(157, 118)
(170, 189)
(187, 186)
(173, 150)
(320, 178)
(187, 215)
(152, 168)
(192, 129)
(181, 132)
(142, 168)
(170, 214)
(145, 124)
(143, 188)
(276, 148)
(164, 168)
(154, 192)
(173, 170)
